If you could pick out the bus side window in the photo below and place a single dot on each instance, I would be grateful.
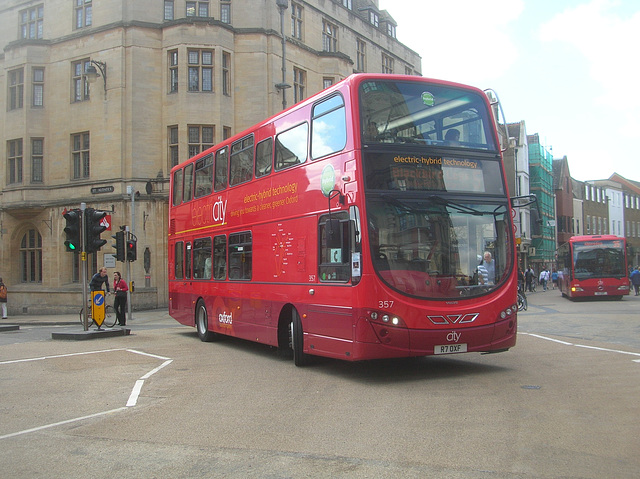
(328, 127)
(179, 260)
(187, 262)
(220, 182)
(240, 255)
(241, 163)
(264, 157)
(220, 257)
(291, 146)
(202, 258)
(335, 257)
(177, 187)
(187, 194)
(204, 176)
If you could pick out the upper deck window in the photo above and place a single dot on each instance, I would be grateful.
(423, 114)
(328, 127)
(291, 146)
(204, 176)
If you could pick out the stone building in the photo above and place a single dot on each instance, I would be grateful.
(103, 97)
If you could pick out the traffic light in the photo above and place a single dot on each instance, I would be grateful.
(120, 246)
(132, 249)
(73, 243)
(93, 229)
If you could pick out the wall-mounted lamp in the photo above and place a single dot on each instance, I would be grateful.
(92, 73)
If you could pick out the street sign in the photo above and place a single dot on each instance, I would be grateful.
(97, 307)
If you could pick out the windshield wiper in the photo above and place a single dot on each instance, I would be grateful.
(456, 206)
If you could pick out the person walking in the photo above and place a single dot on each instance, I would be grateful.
(120, 303)
(634, 277)
(544, 278)
(528, 279)
(3, 298)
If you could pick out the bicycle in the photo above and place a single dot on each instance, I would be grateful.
(522, 299)
(109, 316)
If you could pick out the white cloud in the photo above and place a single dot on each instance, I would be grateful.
(460, 40)
(608, 40)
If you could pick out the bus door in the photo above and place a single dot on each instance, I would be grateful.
(181, 294)
(330, 313)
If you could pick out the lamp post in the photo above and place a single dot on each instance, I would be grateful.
(92, 73)
(282, 6)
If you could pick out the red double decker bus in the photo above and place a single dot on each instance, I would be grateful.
(590, 266)
(351, 226)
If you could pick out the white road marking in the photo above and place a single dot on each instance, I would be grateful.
(618, 351)
(133, 397)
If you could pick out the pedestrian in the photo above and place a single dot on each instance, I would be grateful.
(554, 279)
(634, 277)
(120, 303)
(544, 278)
(3, 298)
(99, 279)
(528, 279)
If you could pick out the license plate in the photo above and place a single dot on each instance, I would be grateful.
(450, 348)
(600, 293)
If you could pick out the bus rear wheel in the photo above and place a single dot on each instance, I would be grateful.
(202, 323)
(297, 340)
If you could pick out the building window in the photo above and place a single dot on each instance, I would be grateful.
(14, 161)
(361, 55)
(83, 13)
(37, 99)
(198, 9)
(226, 73)
(387, 64)
(200, 138)
(327, 82)
(299, 80)
(168, 9)
(174, 153)
(173, 71)
(391, 30)
(79, 80)
(80, 153)
(374, 18)
(16, 88)
(329, 37)
(31, 22)
(200, 70)
(347, 4)
(37, 152)
(31, 257)
(296, 21)
(225, 11)
(226, 132)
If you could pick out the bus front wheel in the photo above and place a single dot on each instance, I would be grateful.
(202, 323)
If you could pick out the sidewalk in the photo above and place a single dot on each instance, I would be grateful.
(74, 319)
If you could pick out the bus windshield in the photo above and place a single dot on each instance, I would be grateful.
(598, 259)
(433, 248)
(412, 112)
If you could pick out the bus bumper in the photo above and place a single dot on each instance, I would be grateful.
(374, 340)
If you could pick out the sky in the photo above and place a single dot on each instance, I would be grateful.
(570, 69)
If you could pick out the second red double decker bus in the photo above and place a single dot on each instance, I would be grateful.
(593, 266)
(371, 220)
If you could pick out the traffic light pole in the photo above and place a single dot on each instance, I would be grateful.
(83, 258)
(132, 192)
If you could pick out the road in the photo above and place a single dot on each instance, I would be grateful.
(159, 403)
